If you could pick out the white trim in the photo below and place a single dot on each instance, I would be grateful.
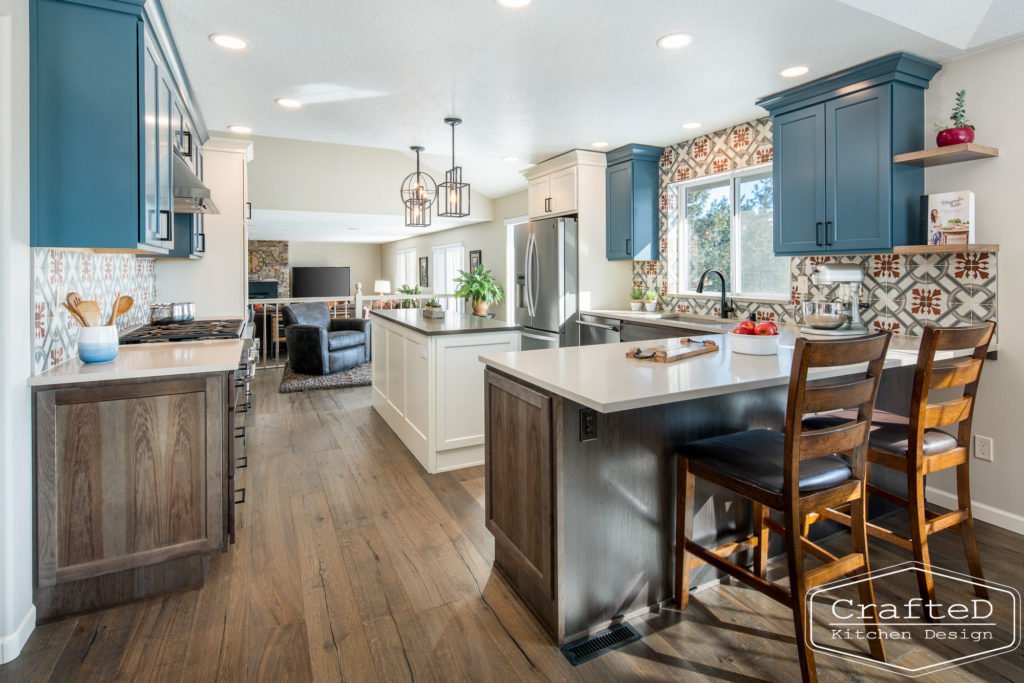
(576, 157)
(725, 175)
(1005, 519)
(517, 220)
(11, 644)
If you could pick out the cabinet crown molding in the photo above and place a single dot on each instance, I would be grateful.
(576, 157)
(899, 66)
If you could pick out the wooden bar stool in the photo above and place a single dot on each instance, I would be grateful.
(917, 448)
(797, 472)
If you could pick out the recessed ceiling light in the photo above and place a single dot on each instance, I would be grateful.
(234, 128)
(674, 41)
(287, 102)
(513, 3)
(510, 159)
(230, 42)
(794, 71)
(691, 125)
(600, 143)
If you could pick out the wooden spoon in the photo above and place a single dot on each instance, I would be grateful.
(74, 314)
(90, 312)
(122, 304)
(74, 299)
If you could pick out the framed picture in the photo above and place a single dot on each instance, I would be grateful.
(474, 260)
(424, 272)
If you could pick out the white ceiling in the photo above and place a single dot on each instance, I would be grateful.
(324, 226)
(537, 81)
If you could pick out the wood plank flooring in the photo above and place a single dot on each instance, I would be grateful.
(353, 564)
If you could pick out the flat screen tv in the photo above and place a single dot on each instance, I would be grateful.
(321, 281)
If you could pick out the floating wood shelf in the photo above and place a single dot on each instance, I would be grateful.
(952, 154)
(945, 248)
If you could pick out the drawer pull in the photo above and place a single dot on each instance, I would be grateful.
(244, 460)
(239, 501)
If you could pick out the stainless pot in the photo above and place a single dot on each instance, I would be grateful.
(182, 312)
(825, 315)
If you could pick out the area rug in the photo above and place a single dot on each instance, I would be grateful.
(359, 376)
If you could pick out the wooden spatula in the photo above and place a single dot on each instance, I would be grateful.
(122, 304)
(90, 312)
(74, 314)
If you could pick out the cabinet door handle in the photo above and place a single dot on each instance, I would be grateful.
(629, 243)
(828, 229)
(186, 143)
(166, 226)
(239, 501)
(244, 460)
(547, 204)
(248, 211)
(817, 234)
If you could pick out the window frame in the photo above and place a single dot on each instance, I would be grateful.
(403, 269)
(440, 254)
(734, 180)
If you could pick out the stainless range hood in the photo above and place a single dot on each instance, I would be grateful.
(190, 195)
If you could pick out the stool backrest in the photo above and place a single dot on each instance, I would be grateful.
(948, 374)
(852, 390)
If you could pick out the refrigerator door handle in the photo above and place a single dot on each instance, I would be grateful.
(535, 284)
(529, 275)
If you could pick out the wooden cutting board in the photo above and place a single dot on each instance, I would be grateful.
(670, 353)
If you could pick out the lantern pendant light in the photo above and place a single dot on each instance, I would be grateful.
(453, 193)
(419, 192)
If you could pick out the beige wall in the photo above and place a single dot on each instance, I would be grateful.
(490, 238)
(216, 282)
(994, 103)
(296, 175)
(363, 259)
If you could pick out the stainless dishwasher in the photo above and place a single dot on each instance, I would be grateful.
(597, 330)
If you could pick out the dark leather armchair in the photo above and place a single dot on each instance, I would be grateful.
(319, 344)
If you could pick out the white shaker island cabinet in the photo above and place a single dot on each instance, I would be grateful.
(428, 383)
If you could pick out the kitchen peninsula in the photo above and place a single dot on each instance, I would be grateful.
(580, 466)
(134, 466)
(427, 381)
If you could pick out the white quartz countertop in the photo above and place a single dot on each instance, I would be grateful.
(602, 378)
(451, 323)
(147, 360)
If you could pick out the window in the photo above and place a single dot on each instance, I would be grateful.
(449, 259)
(726, 223)
(406, 270)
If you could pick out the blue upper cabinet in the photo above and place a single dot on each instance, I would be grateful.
(632, 203)
(836, 187)
(105, 121)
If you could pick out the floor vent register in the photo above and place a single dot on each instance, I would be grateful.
(588, 648)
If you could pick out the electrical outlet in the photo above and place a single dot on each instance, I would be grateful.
(801, 284)
(588, 424)
(984, 448)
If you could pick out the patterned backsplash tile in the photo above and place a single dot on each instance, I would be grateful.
(902, 291)
(99, 277)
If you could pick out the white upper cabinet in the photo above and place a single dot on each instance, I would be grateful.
(553, 194)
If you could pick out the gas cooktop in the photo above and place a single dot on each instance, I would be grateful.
(195, 330)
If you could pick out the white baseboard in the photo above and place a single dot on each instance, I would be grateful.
(11, 644)
(986, 513)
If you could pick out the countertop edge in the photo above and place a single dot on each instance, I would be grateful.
(511, 327)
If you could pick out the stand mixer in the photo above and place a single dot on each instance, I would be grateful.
(836, 318)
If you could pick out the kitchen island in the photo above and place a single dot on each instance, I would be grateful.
(427, 381)
(580, 466)
(134, 463)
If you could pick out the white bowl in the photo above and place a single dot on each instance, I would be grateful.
(754, 344)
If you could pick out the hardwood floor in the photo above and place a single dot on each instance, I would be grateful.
(353, 564)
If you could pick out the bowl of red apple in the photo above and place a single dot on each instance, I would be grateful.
(755, 339)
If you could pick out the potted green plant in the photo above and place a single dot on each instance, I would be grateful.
(650, 300)
(479, 287)
(636, 298)
(432, 309)
(961, 131)
(406, 289)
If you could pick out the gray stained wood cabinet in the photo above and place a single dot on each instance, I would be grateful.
(132, 488)
(836, 188)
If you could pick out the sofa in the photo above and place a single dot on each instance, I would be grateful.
(319, 344)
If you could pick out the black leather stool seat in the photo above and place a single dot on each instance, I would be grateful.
(889, 432)
(756, 457)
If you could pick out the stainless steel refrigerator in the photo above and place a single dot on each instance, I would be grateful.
(546, 283)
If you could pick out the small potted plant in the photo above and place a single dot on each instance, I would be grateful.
(961, 131)
(636, 298)
(650, 300)
(480, 287)
(406, 289)
(432, 309)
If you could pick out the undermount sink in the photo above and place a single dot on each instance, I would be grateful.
(703, 320)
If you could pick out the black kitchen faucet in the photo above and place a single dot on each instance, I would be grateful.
(727, 307)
